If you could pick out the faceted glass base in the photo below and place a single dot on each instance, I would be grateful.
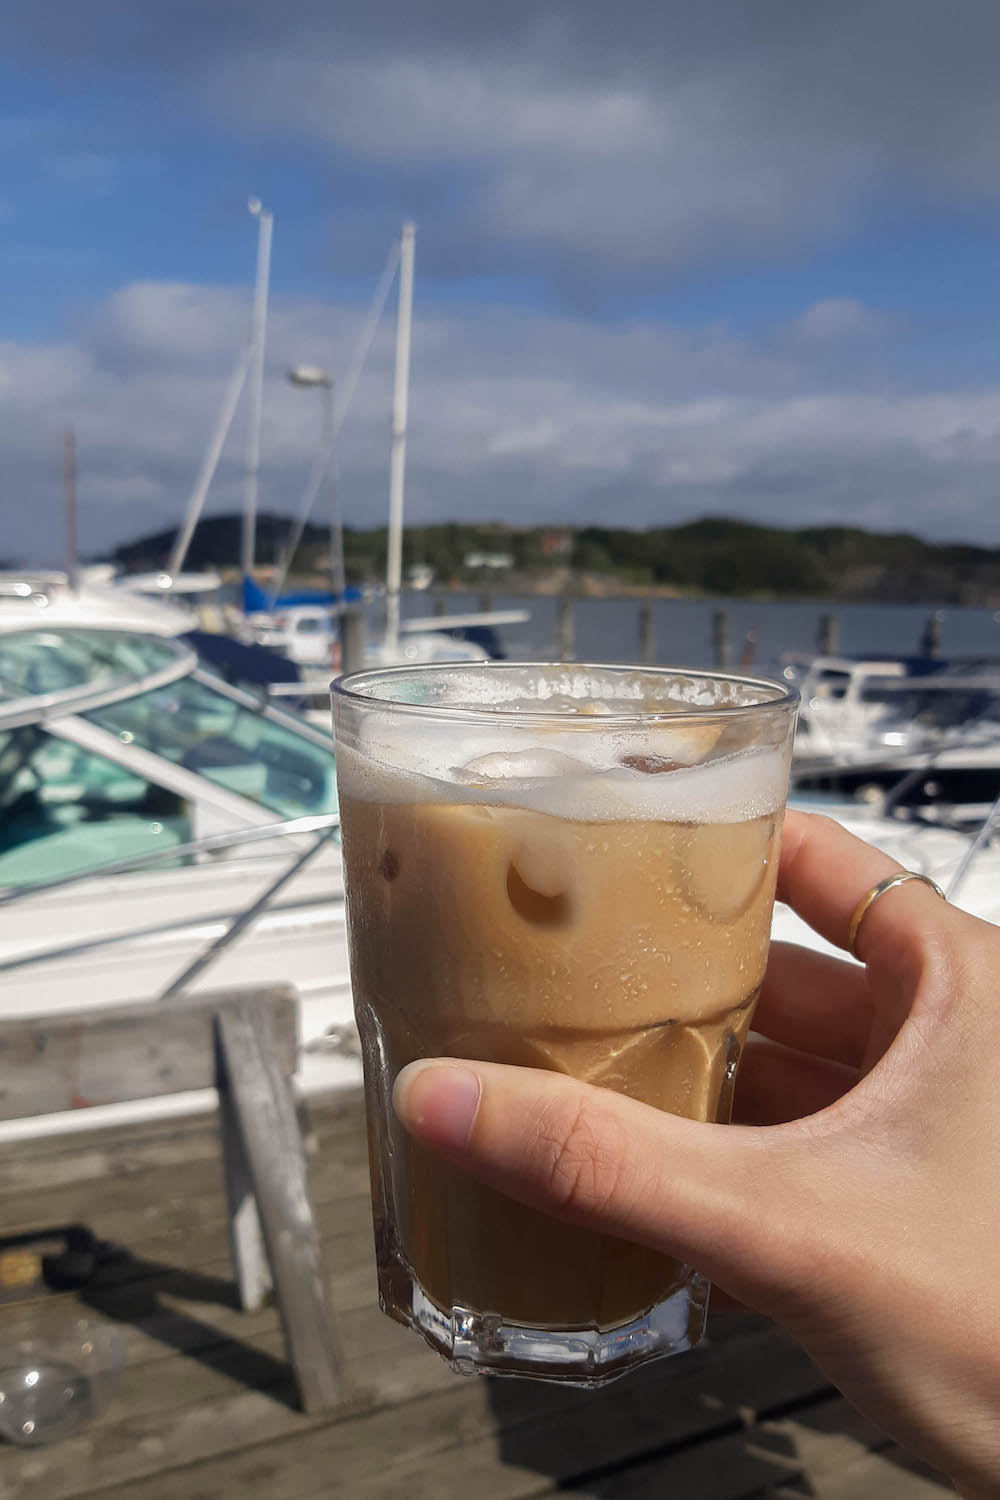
(483, 1343)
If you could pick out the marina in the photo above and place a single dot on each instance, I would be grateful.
(189, 1302)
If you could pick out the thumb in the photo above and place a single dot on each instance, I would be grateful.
(723, 1199)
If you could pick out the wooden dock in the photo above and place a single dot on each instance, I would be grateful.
(207, 1407)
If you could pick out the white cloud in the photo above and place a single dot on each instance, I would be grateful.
(538, 437)
(515, 417)
(628, 172)
(634, 138)
(592, 142)
(836, 318)
(170, 323)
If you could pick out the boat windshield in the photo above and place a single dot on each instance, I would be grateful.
(830, 684)
(202, 729)
(942, 708)
(36, 663)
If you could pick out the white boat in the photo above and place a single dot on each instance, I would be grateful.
(146, 810)
(161, 830)
(307, 634)
(841, 698)
(965, 864)
(872, 730)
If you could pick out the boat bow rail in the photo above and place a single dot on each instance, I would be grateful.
(212, 844)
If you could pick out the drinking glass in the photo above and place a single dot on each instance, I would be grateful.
(564, 867)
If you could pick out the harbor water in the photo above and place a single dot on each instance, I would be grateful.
(608, 629)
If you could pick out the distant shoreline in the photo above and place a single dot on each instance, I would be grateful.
(714, 558)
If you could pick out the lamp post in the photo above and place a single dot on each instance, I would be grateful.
(312, 377)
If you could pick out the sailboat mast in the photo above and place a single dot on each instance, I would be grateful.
(257, 337)
(69, 486)
(397, 462)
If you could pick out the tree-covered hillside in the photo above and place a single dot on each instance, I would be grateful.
(716, 555)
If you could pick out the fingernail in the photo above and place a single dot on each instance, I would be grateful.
(438, 1102)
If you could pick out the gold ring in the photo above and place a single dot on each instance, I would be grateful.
(879, 890)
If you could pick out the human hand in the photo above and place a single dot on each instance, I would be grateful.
(857, 1202)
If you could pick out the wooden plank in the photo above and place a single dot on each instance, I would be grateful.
(47, 1161)
(187, 1312)
(254, 1279)
(138, 1436)
(384, 1363)
(189, 1412)
(73, 1061)
(830, 1458)
(263, 1112)
(848, 1458)
(175, 1236)
(128, 1203)
(437, 1434)
(610, 1429)
(889, 1474)
(403, 1370)
(809, 1454)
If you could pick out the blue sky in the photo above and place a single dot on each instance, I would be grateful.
(672, 261)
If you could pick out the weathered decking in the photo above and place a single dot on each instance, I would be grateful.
(206, 1410)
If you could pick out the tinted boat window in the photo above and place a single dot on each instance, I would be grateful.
(64, 810)
(36, 662)
(202, 730)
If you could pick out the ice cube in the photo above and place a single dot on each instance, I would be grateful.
(531, 764)
(725, 866)
(683, 744)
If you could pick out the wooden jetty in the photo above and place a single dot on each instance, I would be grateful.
(208, 1408)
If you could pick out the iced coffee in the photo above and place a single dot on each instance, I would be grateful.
(583, 884)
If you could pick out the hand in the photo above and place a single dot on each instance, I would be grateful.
(858, 1203)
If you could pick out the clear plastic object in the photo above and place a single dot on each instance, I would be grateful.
(53, 1385)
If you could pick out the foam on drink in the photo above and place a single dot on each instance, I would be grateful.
(653, 774)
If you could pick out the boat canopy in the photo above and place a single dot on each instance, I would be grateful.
(256, 601)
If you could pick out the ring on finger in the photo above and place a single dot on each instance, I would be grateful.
(869, 899)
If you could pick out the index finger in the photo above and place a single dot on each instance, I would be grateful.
(825, 872)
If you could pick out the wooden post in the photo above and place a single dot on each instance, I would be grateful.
(352, 640)
(826, 639)
(721, 638)
(647, 643)
(564, 628)
(930, 640)
(440, 604)
(749, 650)
(270, 1145)
(485, 603)
(82, 1058)
(252, 1269)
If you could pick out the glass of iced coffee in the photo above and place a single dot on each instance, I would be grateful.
(565, 867)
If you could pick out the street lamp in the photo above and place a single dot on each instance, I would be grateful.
(313, 377)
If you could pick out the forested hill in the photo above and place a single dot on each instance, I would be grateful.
(710, 556)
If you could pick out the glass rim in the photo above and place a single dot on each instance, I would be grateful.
(347, 687)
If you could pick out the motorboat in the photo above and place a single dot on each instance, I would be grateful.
(840, 697)
(928, 741)
(161, 830)
(964, 862)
